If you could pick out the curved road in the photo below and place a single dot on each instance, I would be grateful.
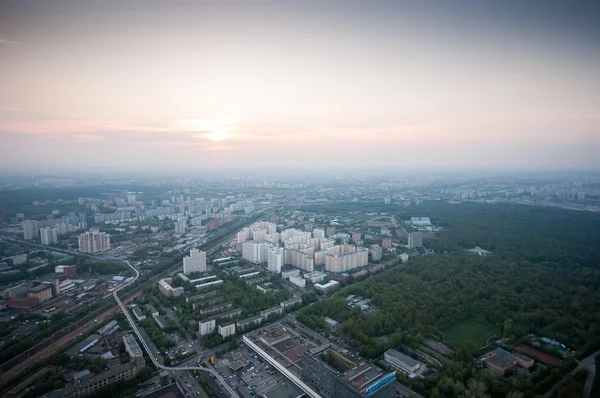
(147, 348)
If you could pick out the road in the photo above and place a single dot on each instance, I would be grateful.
(588, 363)
(147, 346)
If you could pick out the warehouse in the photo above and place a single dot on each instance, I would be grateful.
(401, 361)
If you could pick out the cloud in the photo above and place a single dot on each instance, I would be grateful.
(9, 42)
(10, 109)
(592, 116)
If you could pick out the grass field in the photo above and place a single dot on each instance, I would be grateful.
(473, 330)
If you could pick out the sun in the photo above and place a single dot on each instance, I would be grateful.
(218, 136)
(216, 130)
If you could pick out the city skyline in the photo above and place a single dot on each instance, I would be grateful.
(233, 86)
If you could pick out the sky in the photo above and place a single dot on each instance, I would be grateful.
(237, 85)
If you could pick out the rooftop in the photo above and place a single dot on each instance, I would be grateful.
(500, 360)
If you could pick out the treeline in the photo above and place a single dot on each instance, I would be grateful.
(552, 236)
(430, 293)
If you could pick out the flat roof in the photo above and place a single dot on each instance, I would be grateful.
(500, 360)
(402, 358)
(284, 390)
(40, 288)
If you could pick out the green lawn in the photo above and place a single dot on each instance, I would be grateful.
(473, 330)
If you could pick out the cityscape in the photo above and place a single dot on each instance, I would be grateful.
(282, 199)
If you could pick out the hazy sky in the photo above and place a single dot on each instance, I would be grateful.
(143, 85)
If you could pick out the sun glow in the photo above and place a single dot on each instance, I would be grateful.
(213, 129)
(218, 136)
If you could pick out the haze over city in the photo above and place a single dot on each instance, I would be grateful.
(152, 85)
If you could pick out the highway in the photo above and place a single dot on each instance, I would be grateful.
(147, 347)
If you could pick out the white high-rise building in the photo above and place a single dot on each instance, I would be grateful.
(258, 231)
(227, 330)
(180, 227)
(318, 233)
(48, 235)
(207, 326)
(31, 229)
(345, 258)
(275, 259)
(94, 241)
(255, 252)
(195, 262)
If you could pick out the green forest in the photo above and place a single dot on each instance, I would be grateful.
(542, 277)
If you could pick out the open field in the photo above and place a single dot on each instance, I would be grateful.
(469, 330)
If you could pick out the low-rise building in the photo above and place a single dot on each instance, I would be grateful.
(498, 360)
(298, 281)
(249, 323)
(401, 361)
(271, 312)
(291, 302)
(23, 304)
(160, 321)
(132, 347)
(164, 285)
(112, 375)
(229, 314)
(285, 274)
(523, 361)
(138, 314)
(327, 287)
(153, 311)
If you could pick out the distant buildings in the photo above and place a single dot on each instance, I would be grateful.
(420, 221)
(94, 241)
(195, 262)
(48, 236)
(415, 239)
(376, 252)
(180, 227)
(31, 229)
(386, 243)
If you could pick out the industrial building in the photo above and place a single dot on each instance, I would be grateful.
(41, 292)
(131, 346)
(334, 375)
(401, 361)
